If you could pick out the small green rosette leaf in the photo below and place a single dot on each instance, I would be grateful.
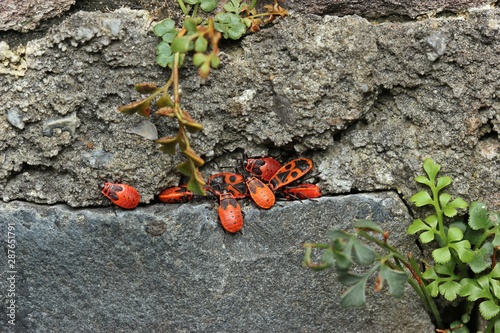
(208, 5)
(478, 216)
(442, 182)
(182, 44)
(231, 25)
(164, 56)
(450, 210)
(421, 198)
(431, 168)
(214, 61)
(199, 59)
(354, 296)
(489, 309)
(423, 180)
(164, 27)
(201, 44)
(396, 280)
(191, 25)
(450, 290)
(417, 226)
(441, 255)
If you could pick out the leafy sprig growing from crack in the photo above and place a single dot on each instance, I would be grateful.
(200, 38)
(464, 256)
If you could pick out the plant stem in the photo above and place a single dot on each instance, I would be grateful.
(195, 10)
(307, 257)
(168, 84)
(485, 236)
(184, 140)
(183, 7)
(443, 241)
(252, 4)
(261, 14)
(175, 74)
(384, 245)
(439, 213)
(429, 300)
(417, 283)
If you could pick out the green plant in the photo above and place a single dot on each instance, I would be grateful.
(201, 38)
(464, 256)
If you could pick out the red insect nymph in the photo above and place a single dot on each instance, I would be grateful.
(302, 191)
(122, 195)
(176, 194)
(290, 172)
(261, 194)
(262, 167)
(230, 214)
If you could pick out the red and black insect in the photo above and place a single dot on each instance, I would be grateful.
(260, 193)
(122, 195)
(301, 191)
(230, 214)
(290, 172)
(228, 181)
(262, 167)
(176, 194)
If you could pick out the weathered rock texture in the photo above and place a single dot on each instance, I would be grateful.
(379, 9)
(367, 102)
(100, 271)
(26, 15)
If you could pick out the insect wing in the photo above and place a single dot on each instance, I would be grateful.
(302, 191)
(230, 214)
(122, 195)
(290, 172)
(262, 167)
(176, 194)
(260, 193)
(228, 181)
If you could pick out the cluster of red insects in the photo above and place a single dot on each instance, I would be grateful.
(268, 179)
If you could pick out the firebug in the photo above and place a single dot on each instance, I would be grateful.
(230, 214)
(262, 167)
(176, 194)
(302, 191)
(228, 181)
(122, 195)
(290, 172)
(261, 194)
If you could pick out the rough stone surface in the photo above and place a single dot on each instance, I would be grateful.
(64, 102)
(13, 61)
(26, 15)
(172, 269)
(380, 9)
(367, 102)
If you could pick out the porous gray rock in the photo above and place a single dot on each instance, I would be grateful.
(368, 102)
(171, 268)
(26, 15)
(385, 9)
(13, 61)
(69, 124)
